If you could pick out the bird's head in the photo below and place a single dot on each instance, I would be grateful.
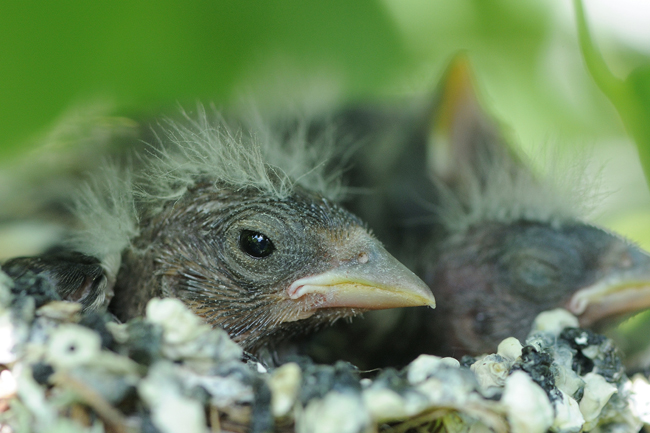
(239, 221)
(261, 266)
(492, 282)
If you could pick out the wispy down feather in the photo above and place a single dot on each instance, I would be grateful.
(506, 190)
(107, 217)
(270, 156)
(257, 153)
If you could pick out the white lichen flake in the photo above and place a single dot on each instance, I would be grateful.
(285, 385)
(527, 405)
(639, 389)
(568, 417)
(420, 369)
(335, 413)
(178, 323)
(171, 411)
(596, 395)
(71, 346)
(554, 321)
(387, 405)
(186, 336)
(491, 371)
(510, 349)
(7, 338)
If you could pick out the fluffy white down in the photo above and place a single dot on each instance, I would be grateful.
(271, 156)
(107, 218)
(508, 190)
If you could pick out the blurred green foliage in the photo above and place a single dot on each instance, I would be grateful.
(630, 96)
(141, 56)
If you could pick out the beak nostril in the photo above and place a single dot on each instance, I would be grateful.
(363, 258)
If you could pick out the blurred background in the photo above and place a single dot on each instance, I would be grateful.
(76, 72)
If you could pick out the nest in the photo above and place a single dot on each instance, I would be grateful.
(63, 371)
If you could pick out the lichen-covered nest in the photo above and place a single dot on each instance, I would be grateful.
(169, 372)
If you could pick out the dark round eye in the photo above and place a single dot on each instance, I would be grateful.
(255, 244)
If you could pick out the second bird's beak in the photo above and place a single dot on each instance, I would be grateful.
(372, 280)
(621, 293)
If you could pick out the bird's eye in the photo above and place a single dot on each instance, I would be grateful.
(538, 273)
(255, 244)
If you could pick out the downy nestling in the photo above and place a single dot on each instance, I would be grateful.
(496, 241)
(509, 242)
(240, 222)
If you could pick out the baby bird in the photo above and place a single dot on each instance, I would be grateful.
(240, 223)
(494, 241)
(513, 243)
(510, 243)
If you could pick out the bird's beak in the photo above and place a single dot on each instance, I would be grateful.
(375, 280)
(624, 292)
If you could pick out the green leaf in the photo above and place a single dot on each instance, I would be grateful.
(630, 97)
(636, 113)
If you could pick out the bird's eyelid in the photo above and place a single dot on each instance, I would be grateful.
(532, 262)
(270, 227)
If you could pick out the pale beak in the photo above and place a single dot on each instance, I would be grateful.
(374, 280)
(624, 292)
